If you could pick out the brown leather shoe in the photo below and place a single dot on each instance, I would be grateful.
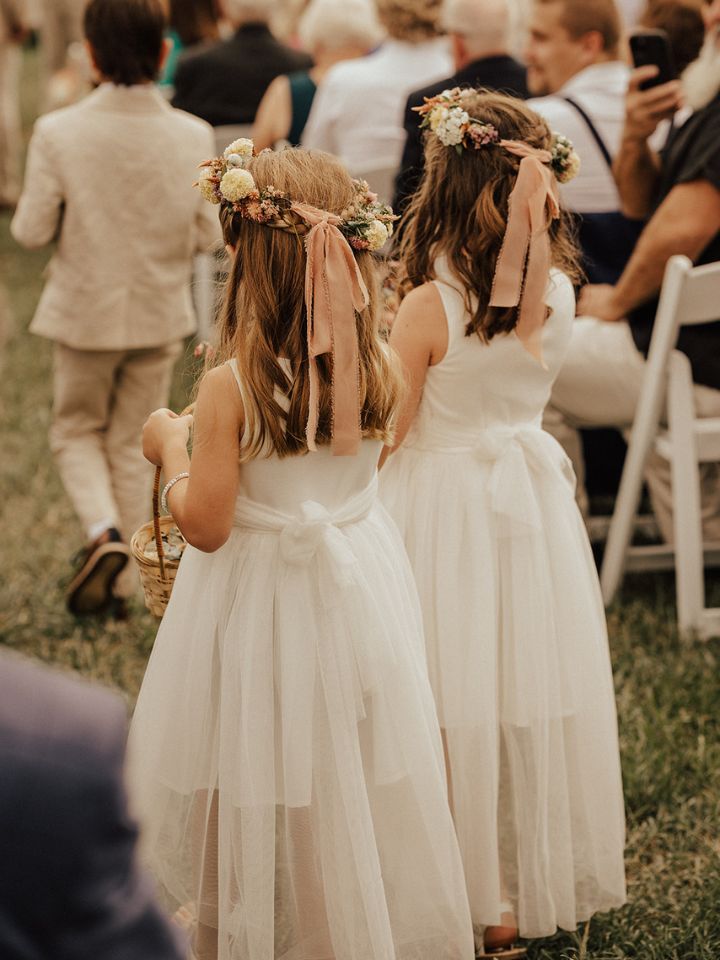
(90, 590)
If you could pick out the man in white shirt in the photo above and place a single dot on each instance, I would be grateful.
(572, 53)
(357, 113)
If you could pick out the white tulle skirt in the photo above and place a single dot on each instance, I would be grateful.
(285, 758)
(519, 663)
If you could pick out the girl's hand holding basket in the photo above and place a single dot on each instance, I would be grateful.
(165, 430)
(158, 545)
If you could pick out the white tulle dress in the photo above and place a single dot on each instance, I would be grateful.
(515, 628)
(285, 756)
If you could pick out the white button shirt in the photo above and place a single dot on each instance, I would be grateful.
(600, 91)
(357, 113)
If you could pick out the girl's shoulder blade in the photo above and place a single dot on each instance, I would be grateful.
(422, 316)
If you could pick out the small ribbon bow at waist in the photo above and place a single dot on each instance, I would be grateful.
(302, 539)
(317, 533)
(518, 454)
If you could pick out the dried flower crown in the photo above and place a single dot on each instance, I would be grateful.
(366, 222)
(445, 115)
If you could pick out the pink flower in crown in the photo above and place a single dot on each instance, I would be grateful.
(359, 243)
(269, 210)
(482, 134)
(253, 210)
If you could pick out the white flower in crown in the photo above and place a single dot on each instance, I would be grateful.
(376, 234)
(436, 116)
(208, 188)
(242, 147)
(236, 184)
(565, 162)
(451, 128)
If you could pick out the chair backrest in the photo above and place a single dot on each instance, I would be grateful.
(689, 295)
(381, 180)
(700, 295)
(226, 134)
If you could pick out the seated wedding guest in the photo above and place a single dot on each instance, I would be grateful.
(331, 31)
(12, 32)
(600, 381)
(110, 179)
(480, 34)
(69, 884)
(357, 114)
(578, 78)
(225, 83)
(682, 22)
(190, 23)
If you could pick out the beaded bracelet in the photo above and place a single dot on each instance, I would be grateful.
(168, 487)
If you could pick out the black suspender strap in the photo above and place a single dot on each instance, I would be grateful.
(591, 127)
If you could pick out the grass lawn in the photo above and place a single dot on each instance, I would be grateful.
(668, 689)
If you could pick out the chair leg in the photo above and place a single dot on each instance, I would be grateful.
(628, 497)
(687, 517)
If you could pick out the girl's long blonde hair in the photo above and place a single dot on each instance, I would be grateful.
(461, 211)
(263, 318)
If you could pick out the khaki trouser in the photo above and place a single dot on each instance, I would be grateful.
(101, 400)
(10, 135)
(599, 386)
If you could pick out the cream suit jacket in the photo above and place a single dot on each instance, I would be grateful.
(111, 178)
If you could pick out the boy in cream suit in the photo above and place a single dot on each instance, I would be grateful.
(111, 179)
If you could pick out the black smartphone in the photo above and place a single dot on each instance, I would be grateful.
(653, 46)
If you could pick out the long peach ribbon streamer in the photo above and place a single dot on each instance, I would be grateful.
(334, 291)
(526, 236)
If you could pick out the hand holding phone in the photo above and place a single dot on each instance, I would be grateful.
(652, 47)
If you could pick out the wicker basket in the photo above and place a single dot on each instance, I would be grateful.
(157, 575)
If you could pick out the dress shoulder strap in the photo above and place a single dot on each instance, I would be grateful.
(453, 301)
(236, 373)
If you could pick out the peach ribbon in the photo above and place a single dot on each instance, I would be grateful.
(526, 236)
(334, 292)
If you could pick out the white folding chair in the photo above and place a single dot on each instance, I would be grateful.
(381, 180)
(226, 134)
(690, 295)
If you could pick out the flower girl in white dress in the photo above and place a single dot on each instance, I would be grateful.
(285, 756)
(515, 629)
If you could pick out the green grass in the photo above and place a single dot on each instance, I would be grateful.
(668, 689)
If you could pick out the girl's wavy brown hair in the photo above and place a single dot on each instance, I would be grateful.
(263, 317)
(461, 211)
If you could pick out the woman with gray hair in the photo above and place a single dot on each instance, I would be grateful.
(330, 31)
(358, 112)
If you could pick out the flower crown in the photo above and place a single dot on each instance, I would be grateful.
(451, 123)
(366, 222)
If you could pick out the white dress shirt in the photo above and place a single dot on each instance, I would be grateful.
(600, 91)
(357, 113)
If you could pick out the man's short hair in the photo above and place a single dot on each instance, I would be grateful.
(126, 37)
(579, 17)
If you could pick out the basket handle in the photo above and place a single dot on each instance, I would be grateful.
(156, 521)
(156, 508)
